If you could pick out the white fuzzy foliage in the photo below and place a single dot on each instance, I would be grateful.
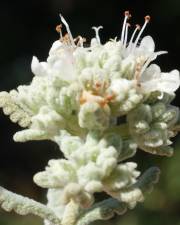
(91, 166)
(99, 104)
(23, 206)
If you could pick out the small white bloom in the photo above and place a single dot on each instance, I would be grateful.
(39, 69)
(154, 80)
(147, 45)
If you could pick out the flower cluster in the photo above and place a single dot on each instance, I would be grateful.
(99, 104)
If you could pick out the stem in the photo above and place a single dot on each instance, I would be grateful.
(102, 211)
(71, 213)
(23, 206)
(148, 179)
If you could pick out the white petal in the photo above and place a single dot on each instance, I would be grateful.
(38, 68)
(147, 44)
(149, 86)
(55, 47)
(152, 72)
(169, 82)
(165, 82)
(156, 54)
(150, 58)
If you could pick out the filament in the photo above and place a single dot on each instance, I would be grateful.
(127, 16)
(96, 29)
(147, 19)
(68, 30)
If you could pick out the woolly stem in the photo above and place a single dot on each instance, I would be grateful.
(23, 206)
(148, 179)
(102, 211)
(71, 213)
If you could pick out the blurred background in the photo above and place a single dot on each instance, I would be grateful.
(27, 28)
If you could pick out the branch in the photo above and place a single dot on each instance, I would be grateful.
(107, 208)
(23, 206)
(102, 211)
(148, 179)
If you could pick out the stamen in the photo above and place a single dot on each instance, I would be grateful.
(76, 40)
(126, 34)
(133, 35)
(127, 15)
(59, 30)
(150, 59)
(66, 39)
(96, 29)
(138, 70)
(82, 40)
(79, 40)
(147, 19)
(68, 30)
(146, 64)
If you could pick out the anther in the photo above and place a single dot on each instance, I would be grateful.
(126, 13)
(128, 24)
(59, 30)
(147, 18)
(138, 27)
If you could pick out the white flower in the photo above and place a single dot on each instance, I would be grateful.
(154, 80)
(39, 69)
(116, 59)
(59, 63)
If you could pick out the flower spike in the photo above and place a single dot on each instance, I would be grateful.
(99, 104)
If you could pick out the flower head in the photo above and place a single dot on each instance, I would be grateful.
(99, 104)
(69, 59)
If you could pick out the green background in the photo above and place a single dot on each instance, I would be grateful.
(27, 28)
